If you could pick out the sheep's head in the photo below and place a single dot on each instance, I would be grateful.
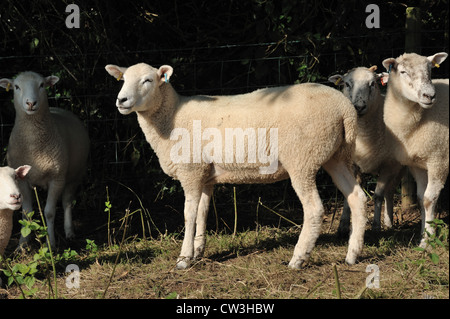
(10, 197)
(140, 87)
(359, 85)
(411, 75)
(29, 90)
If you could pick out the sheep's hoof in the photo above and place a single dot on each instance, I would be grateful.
(350, 260)
(423, 243)
(297, 264)
(23, 244)
(388, 225)
(376, 227)
(183, 263)
(21, 248)
(70, 236)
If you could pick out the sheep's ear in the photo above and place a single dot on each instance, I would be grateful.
(22, 171)
(6, 83)
(384, 78)
(336, 79)
(164, 73)
(437, 59)
(373, 68)
(390, 63)
(115, 71)
(51, 80)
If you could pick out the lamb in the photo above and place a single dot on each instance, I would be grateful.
(310, 126)
(10, 200)
(53, 141)
(373, 152)
(416, 112)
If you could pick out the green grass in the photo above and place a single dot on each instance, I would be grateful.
(251, 264)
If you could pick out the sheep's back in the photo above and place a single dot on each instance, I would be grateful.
(313, 122)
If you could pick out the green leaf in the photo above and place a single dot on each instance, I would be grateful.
(434, 258)
(25, 231)
(419, 249)
(439, 242)
(172, 295)
(23, 269)
(29, 281)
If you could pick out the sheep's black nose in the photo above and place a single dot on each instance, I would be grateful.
(122, 100)
(16, 196)
(429, 96)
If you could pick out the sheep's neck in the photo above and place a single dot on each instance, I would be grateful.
(36, 128)
(372, 138)
(158, 124)
(371, 125)
(401, 115)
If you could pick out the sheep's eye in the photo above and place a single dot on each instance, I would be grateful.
(148, 80)
(372, 84)
(42, 85)
(17, 87)
(404, 72)
(347, 85)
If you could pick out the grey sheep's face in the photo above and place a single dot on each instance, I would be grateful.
(29, 90)
(360, 87)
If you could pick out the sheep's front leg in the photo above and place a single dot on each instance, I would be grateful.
(190, 216)
(54, 191)
(421, 178)
(68, 197)
(202, 215)
(344, 224)
(27, 207)
(430, 198)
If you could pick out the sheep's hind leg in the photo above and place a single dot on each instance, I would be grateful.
(384, 191)
(356, 199)
(202, 215)
(191, 204)
(313, 211)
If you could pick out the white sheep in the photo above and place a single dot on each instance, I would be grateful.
(310, 126)
(373, 152)
(10, 200)
(416, 112)
(53, 141)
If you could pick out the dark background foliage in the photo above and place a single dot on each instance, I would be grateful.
(215, 47)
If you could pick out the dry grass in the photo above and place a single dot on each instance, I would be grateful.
(253, 264)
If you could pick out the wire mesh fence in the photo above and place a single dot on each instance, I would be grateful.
(120, 157)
